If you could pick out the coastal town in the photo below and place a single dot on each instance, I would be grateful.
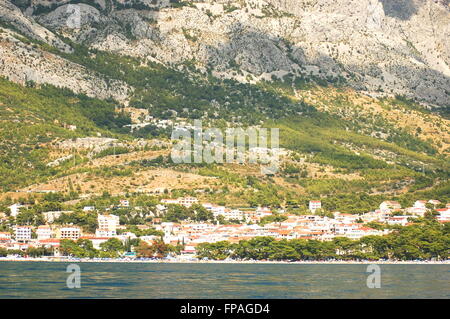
(223, 224)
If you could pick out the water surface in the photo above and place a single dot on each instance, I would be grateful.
(155, 280)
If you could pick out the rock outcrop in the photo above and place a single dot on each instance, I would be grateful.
(26, 63)
(377, 46)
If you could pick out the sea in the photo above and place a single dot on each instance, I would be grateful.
(221, 280)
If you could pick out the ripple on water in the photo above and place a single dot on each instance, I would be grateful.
(111, 280)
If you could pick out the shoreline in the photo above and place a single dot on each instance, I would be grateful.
(180, 261)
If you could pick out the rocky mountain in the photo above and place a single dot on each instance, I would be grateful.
(379, 47)
(337, 78)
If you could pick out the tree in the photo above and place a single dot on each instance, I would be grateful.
(176, 213)
(131, 242)
(201, 213)
(282, 250)
(323, 212)
(260, 247)
(82, 248)
(29, 217)
(86, 220)
(69, 248)
(301, 247)
(344, 245)
(161, 249)
(3, 252)
(113, 247)
(158, 249)
(375, 246)
(144, 250)
(214, 251)
(274, 218)
(39, 251)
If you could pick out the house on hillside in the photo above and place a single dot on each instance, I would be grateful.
(315, 205)
(389, 205)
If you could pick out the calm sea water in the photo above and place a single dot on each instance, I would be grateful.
(139, 280)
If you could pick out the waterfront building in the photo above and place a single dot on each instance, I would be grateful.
(23, 233)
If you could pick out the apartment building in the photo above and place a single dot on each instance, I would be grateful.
(107, 225)
(44, 232)
(187, 201)
(23, 233)
(108, 222)
(229, 214)
(71, 232)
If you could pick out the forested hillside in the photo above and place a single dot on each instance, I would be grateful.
(349, 147)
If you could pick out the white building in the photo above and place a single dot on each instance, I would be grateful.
(50, 217)
(444, 214)
(417, 211)
(15, 209)
(71, 232)
(97, 241)
(44, 232)
(167, 227)
(233, 214)
(108, 222)
(434, 202)
(199, 226)
(372, 216)
(314, 205)
(161, 208)
(126, 236)
(420, 204)
(23, 233)
(228, 214)
(389, 205)
(105, 233)
(185, 201)
(398, 220)
(4, 236)
(107, 225)
(170, 201)
(358, 233)
(188, 201)
(216, 210)
(344, 229)
(346, 218)
(263, 212)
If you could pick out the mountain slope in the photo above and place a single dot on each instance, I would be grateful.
(374, 46)
(232, 63)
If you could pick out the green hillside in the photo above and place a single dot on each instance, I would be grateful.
(384, 158)
(33, 117)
